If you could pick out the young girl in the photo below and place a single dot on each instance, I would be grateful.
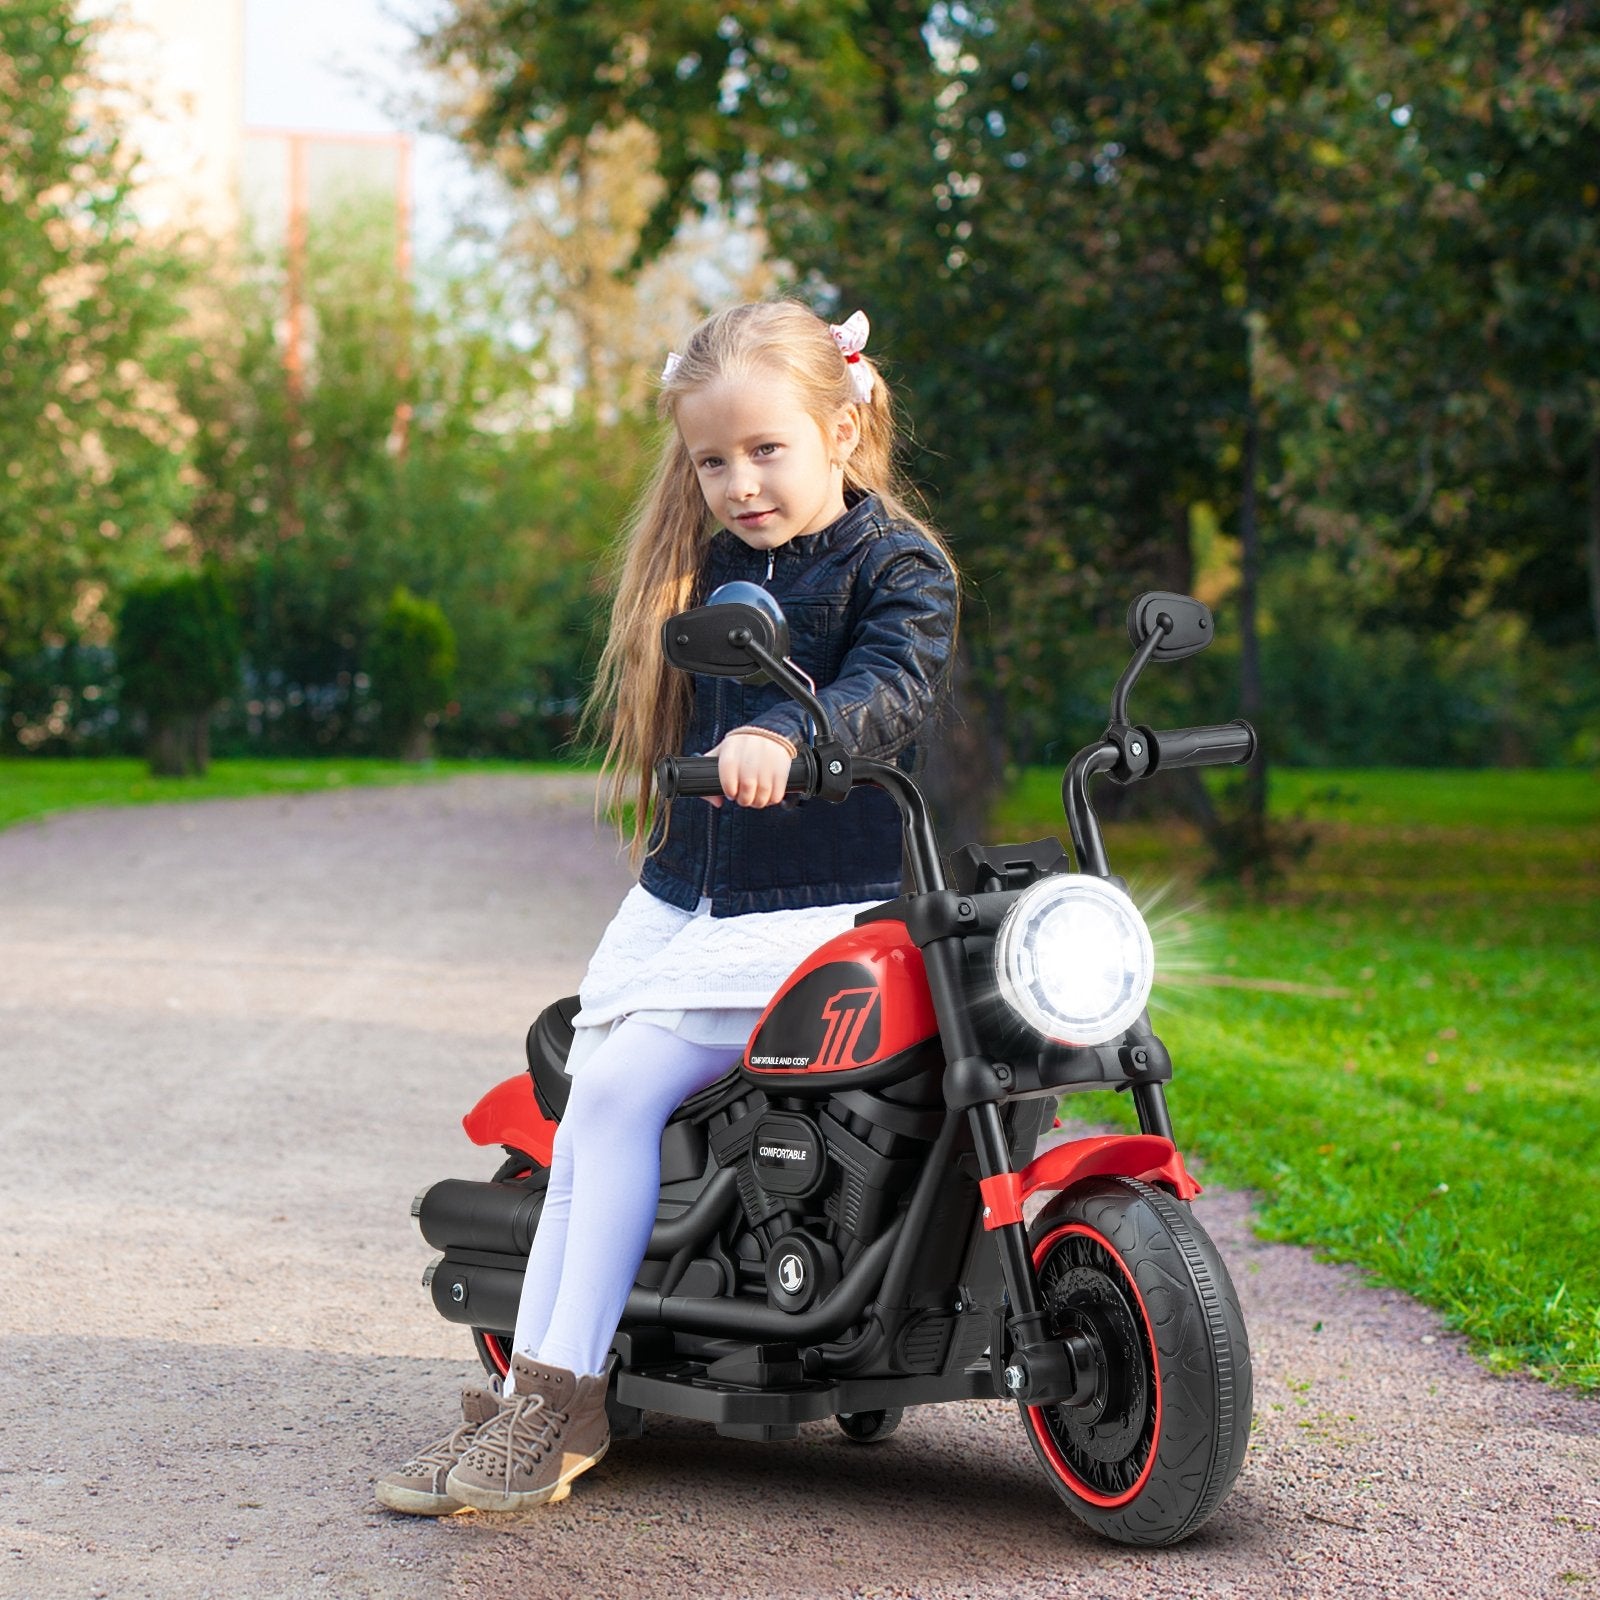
(777, 469)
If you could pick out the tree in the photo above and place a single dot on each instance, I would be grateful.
(1440, 417)
(93, 440)
(178, 651)
(413, 660)
(1194, 257)
(566, 217)
(1505, 104)
(566, 241)
(1153, 207)
(766, 103)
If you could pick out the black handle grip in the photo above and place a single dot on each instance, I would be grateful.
(1224, 744)
(697, 775)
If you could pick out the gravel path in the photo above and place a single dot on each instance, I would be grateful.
(234, 1039)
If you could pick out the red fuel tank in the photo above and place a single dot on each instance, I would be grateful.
(852, 1015)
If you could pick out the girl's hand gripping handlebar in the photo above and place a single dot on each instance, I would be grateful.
(699, 775)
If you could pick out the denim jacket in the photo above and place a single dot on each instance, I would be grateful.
(871, 607)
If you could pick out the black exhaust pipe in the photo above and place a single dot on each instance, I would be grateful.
(500, 1218)
(479, 1295)
(746, 1319)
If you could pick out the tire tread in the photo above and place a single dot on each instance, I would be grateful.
(1206, 1397)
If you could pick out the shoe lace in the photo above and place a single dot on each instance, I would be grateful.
(443, 1454)
(522, 1432)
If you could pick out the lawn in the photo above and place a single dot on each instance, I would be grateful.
(32, 787)
(1399, 1053)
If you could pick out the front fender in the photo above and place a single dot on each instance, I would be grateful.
(1146, 1156)
(510, 1115)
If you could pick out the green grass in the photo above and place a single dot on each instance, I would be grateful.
(1400, 1053)
(33, 787)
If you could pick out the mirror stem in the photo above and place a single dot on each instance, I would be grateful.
(788, 680)
(1119, 695)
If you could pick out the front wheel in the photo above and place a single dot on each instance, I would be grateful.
(1150, 1456)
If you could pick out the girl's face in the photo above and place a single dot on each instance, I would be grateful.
(770, 473)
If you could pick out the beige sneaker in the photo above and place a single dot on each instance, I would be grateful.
(418, 1487)
(551, 1429)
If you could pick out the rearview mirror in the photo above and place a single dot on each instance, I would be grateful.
(1187, 623)
(715, 638)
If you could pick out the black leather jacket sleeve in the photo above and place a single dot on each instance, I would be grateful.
(897, 658)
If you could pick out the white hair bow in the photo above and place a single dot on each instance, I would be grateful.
(671, 366)
(851, 338)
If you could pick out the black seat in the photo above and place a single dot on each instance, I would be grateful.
(549, 1040)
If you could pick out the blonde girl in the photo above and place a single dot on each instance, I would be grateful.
(776, 467)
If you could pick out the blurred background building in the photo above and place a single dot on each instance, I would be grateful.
(252, 115)
(181, 67)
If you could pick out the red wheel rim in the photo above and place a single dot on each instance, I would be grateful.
(499, 1352)
(496, 1346)
(1035, 1414)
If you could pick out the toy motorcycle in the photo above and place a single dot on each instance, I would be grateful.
(841, 1227)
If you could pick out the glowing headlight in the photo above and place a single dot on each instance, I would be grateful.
(1074, 959)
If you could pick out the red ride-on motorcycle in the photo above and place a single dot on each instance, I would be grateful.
(841, 1228)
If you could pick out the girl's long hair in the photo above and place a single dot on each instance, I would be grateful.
(641, 701)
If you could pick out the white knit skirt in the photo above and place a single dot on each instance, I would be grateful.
(705, 978)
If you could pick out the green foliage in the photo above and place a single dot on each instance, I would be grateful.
(92, 437)
(418, 454)
(1131, 266)
(790, 103)
(1398, 1055)
(413, 661)
(177, 645)
(178, 650)
(1496, 379)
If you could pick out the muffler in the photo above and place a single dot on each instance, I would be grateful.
(478, 1294)
(500, 1218)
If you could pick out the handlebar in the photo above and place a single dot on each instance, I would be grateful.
(697, 775)
(1218, 745)
(1223, 744)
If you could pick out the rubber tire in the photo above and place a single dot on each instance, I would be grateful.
(869, 1427)
(494, 1349)
(1202, 1356)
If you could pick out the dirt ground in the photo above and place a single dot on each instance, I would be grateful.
(236, 1037)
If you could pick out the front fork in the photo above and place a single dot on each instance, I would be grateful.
(1032, 1365)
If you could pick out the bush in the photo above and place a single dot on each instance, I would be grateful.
(413, 663)
(178, 652)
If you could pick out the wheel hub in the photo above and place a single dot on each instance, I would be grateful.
(1107, 1438)
(1108, 1424)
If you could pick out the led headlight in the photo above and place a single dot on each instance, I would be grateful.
(1074, 959)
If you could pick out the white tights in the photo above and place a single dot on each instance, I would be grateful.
(605, 1176)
